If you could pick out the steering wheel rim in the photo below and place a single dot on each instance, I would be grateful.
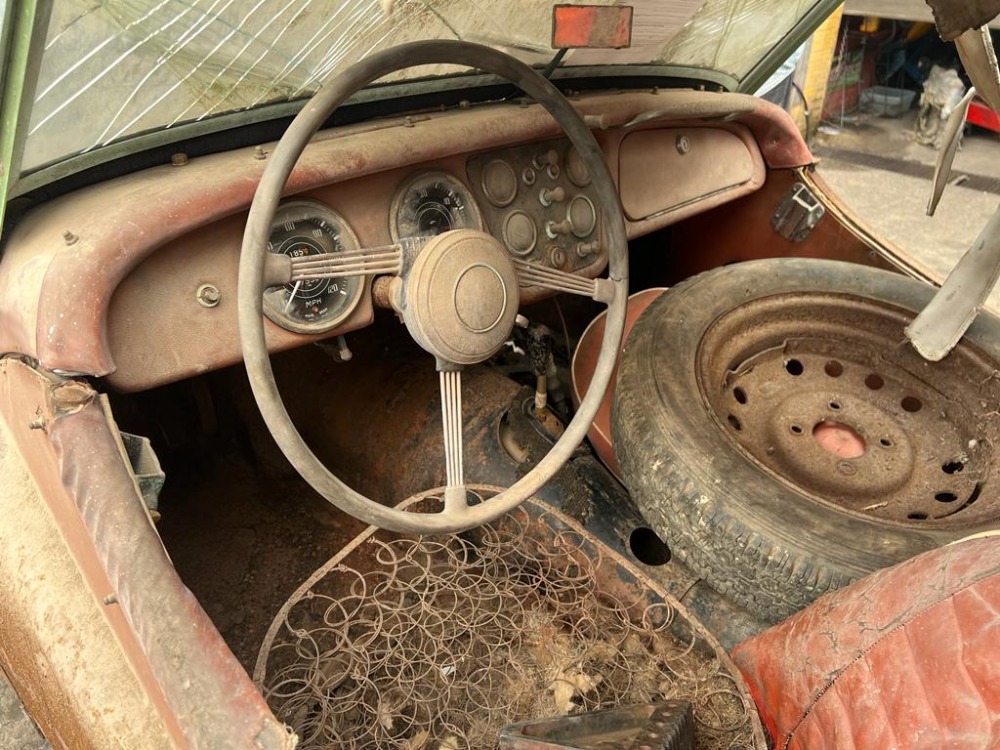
(254, 252)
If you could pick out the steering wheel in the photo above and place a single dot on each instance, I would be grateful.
(457, 292)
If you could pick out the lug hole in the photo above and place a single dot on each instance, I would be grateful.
(740, 395)
(794, 367)
(885, 442)
(735, 422)
(833, 368)
(834, 405)
(917, 516)
(946, 497)
(796, 429)
(874, 381)
(953, 467)
(912, 404)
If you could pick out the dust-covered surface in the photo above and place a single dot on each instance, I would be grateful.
(890, 193)
(241, 538)
(53, 632)
(440, 642)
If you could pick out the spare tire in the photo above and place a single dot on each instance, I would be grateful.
(775, 427)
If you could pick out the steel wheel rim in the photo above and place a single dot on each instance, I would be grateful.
(822, 392)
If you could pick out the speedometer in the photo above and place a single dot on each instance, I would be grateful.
(305, 228)
(430, 203)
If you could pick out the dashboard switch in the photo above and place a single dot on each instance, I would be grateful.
(547, 197)
(545, 159)
(555, 228)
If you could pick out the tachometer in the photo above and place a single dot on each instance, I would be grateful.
(304, 228)
(431, 203)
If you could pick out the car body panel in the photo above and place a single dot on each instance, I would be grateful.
(150, 644)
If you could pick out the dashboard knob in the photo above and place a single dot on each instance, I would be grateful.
(555, 228)
(547, 197)
(545, 159)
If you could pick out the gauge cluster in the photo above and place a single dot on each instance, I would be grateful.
(429, 203)
(538, 200)
(306, 228)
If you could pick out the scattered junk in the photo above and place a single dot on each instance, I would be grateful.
(943, 92)
(885, 101)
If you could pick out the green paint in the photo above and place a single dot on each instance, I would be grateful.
(24, 25)
(783, 50)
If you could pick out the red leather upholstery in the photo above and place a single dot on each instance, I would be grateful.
(908, 657)
(583, 366)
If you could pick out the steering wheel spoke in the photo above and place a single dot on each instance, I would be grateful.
(537, 275)
(451, 419)
(368, 261)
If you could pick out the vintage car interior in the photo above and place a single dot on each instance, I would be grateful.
(267, 348)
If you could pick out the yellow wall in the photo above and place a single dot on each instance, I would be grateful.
(817, 69)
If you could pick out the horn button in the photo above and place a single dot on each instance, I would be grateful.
(461, 296)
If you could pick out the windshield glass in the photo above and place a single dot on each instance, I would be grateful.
(114, 69)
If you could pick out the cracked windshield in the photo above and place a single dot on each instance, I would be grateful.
(116, 69)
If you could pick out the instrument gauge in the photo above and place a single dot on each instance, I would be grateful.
(431, 203)
(308, 228)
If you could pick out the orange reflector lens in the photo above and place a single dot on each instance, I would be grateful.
(594, 26)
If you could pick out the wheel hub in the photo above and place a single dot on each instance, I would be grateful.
(823, 392)
(801, 421)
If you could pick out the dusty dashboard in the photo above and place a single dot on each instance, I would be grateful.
(183, 296)
(154, 272)
(538, 200)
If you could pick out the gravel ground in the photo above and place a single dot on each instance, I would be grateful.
(17, 732)
(884, 176)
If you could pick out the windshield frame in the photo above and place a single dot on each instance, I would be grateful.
(366, 104)
(23, 27)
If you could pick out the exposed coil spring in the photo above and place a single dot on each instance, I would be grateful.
(449, 639)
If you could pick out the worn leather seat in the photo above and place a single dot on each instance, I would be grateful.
(584, 364)
(908, 657)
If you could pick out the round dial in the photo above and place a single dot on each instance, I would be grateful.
(576, 169)
(431, 203)
(500, 183)
(519, 233)
(303, 228)
(582, 216)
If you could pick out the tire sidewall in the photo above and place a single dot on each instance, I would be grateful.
(687, 476)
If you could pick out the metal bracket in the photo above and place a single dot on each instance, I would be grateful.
(797, 214)
(145, 467)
